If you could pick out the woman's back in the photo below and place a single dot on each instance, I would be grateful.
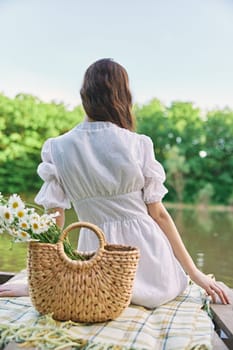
(98, 159)
(109, 173)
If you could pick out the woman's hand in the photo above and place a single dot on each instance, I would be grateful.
(212, 288)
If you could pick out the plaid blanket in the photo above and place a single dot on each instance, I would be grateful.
(179, 324)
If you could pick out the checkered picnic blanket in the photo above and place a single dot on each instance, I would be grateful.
(179, 324)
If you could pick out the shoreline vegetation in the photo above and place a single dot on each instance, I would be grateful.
(200, 206)
(195, 147)
(29, 198)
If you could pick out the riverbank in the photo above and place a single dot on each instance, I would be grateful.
(29, 198)
(209, 207)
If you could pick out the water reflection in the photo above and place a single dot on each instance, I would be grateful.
(200, 260)
(208, 236)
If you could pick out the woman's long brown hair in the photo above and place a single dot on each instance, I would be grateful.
(105, 94)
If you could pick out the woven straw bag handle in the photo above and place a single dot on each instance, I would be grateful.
(99, 233)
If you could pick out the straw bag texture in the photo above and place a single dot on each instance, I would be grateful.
(94, 290)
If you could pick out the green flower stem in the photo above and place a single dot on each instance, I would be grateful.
(52, 236)
(37, 207)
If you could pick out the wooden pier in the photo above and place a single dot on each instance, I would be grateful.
(223, 322)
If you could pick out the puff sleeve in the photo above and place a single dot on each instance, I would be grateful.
(154, 174)
(51, 194)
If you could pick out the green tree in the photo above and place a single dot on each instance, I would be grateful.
(177, 167)
(152, 120)
(188, 135)
(217, 166)
(25, 123)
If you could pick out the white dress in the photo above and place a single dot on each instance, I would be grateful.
(109, 174)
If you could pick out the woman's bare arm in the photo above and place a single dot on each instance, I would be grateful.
(159, 213)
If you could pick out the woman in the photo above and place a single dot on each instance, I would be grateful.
(109, 174)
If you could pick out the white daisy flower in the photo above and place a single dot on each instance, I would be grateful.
(24, 236)
(15, 202)
(34, 217)
(44, 225)
(35, 226)
(47, 219)
(20, 213)
(24, 225)
(7, 215)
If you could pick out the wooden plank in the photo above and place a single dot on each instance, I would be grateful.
(223, 317)
(218, 344)
(223, 320)
(229, 343)
(223, 314)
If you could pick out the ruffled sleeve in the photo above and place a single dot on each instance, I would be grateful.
(154, 174)
(51, 194)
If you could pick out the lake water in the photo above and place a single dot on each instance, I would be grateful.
(208, 236)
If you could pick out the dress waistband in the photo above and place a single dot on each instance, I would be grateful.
(110, 208)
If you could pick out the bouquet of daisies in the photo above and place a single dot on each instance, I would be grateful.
(24, 224)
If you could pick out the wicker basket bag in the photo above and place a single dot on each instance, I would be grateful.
(94, 290)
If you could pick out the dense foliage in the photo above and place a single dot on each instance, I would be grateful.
(25, 123)
(195, 149)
